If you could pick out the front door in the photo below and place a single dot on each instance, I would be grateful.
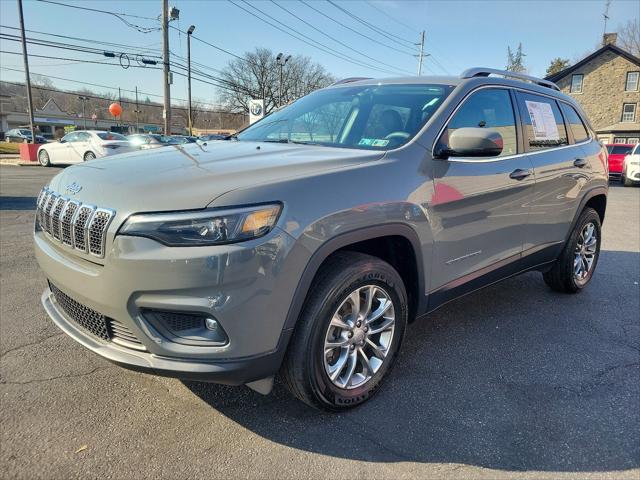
(480, 207)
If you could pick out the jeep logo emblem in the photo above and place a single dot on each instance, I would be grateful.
(72, 188)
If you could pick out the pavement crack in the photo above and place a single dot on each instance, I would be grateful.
(31, 344)
(42, 380)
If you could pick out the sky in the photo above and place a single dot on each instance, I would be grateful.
(459, 35)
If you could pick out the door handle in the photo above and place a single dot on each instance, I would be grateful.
(580, 162)
(520, 174)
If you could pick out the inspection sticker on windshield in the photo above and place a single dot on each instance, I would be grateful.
(373, 142)
(542, 121)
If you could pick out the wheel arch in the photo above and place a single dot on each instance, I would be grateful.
(595, 198)
(381, 241)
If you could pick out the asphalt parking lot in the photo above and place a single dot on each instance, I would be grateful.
(513, 381)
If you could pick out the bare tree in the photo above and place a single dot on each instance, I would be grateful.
(257, 75)
(629, 37)
(515, 60)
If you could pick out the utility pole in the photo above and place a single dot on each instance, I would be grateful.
(189, 32)
(137, 111)
(26, 72)
(421, 56)
(165, 60)
(119, 103)
(83, 99)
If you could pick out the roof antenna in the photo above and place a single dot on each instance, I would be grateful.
(606, 19)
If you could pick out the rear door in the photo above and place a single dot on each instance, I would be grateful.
(561, 169)
(480, 207)
(79, 145)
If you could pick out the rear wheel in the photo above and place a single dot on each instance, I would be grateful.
(577, 262)
(89, 156)
(349, 333)
(43, 158)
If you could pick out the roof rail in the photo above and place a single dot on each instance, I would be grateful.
(350, 80)
(485, 72)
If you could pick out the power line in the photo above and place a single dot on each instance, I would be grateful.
(103, 86)
(356, 31)
(303, 38)
(386, 14)
(379, 31)
(335, 39)
(119, 16)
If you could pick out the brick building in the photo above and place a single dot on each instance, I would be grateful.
(607, 86)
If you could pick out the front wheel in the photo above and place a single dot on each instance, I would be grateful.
(43, 158)
(575, 267)
(625, 181)
(349, 333)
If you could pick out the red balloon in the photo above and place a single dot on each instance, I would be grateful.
(115, 109)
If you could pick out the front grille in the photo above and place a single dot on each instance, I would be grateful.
(90, 320)
(95, 323)
(79, 226)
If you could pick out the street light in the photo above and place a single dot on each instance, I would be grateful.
(189, 32)
(282, 61)
(83, 99)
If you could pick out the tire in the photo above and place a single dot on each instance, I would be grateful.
(344, 277)
(43, 158)
(625, 181)
(89, 156)
(564, 276)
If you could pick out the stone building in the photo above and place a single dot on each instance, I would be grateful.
(607, 86)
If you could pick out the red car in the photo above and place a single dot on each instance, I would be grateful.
(617, 152)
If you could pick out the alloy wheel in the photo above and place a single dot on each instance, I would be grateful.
(359, 337)
(585, 252)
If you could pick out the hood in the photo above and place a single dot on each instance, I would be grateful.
(184, 177)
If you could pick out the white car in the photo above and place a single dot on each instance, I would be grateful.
(631, 168)
(83, 145)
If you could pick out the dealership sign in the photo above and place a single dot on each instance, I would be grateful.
(256, 110)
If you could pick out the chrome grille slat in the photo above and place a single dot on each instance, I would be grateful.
(66, 234)
(55, 216)
(80, 226)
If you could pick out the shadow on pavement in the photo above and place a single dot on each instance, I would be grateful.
(514, 377)
(18, 203)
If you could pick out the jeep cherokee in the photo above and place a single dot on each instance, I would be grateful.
(303, 245)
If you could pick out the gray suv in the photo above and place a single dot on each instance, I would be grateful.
(304, 245)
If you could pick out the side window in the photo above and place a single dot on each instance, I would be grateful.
(70, 137)
(83, 137)
(489, 108)
(542, 121)
(579, 131)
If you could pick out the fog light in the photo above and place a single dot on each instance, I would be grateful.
(210, 323)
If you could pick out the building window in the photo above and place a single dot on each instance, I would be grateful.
(576, 83)
(631, 85)
(629, 112)
(633, 140)
(619, 140)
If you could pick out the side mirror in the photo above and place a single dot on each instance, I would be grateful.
(472, 142)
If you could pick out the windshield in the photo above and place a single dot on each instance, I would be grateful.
(372, 117)
(618, 149)
(111, 136)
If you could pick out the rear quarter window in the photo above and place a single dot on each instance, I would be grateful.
(575, 124)
(542, 121)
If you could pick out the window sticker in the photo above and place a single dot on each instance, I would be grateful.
(542, 121)
(373, 142)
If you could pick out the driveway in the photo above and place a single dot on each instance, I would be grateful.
(513, 381)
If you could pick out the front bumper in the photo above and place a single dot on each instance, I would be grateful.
(243, 286)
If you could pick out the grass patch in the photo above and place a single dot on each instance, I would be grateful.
(9, 147)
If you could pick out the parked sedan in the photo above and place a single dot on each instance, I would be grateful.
(617, 152)
(83, 145)
(143, 141)
(22, 135)
(631, 168)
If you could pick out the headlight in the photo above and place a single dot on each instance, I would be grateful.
(205, 227)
